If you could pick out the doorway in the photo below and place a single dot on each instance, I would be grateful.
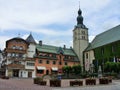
(16, 73)
(30, 74)
(47, 72)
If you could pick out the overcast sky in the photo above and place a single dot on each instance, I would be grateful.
(53, 21)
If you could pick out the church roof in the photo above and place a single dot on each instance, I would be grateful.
(55, 49)
(107, 37)
(30, 39)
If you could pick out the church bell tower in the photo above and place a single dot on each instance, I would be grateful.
(80, 37)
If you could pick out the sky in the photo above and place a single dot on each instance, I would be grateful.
(53, 21)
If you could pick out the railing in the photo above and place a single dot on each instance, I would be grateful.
(16, 50)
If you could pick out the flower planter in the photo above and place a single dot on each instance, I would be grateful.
(90, 81)
(5, 77)
(55, 83)
(73, 83)
(104, 81)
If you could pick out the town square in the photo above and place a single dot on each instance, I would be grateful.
(59, 45)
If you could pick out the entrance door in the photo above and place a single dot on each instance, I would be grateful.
(15, 73)
(47, 72)
(29, 74)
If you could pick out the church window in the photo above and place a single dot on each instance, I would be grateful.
(83, 32)
(83, 37)
(102, 51)
(86, 55)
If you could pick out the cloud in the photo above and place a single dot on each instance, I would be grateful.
(35, 15)
(3, 40)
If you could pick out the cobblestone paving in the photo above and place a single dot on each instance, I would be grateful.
(21, 84)
(114, 86)
(27, 84)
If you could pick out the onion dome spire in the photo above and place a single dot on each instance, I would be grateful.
(80, 20)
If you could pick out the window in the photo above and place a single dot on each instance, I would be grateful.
(53, 55)
(13, 47)
(20, 55)
(83, 37)
(47, 62)
(40, 71)
(86, 55)
(66, 57)
(30, 64)
(60, 63)
(21, 47)
(54, 62)
(102, 51)
(13, 54)
(40, 61)
(83, 32)
(66, 63)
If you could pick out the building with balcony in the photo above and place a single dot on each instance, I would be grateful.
(18, 59)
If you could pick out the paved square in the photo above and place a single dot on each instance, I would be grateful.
(27, 84)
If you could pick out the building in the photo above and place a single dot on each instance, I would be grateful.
(1, 58)
(51, 59)
(18, 57)
(105, 47)
(80, 37)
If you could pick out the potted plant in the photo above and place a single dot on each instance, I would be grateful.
(76, 82)
(103, 80)
(90, 81)
(55, 83)
(39, 81)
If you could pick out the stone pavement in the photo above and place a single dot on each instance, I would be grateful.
(27, 84)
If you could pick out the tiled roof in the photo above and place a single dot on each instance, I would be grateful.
(56, 50)
(30, 39)
(107, 37)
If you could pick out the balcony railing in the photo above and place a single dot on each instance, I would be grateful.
(15, 50)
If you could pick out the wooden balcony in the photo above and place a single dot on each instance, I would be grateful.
(15, 50)
(16, 58)
(15, 66)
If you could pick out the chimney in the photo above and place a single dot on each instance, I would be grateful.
(64, 47)
(40, 43)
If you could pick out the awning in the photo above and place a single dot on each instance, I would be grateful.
(41, 68)
(54, 68)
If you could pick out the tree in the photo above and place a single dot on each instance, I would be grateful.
(76, 69)
(67, 70)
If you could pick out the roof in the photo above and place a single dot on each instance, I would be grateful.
(16, 38)
(55, 49)
(30, 39)
(107, 37)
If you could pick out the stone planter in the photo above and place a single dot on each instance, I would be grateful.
(5, 77)
(55, 83)
(73, 83)
(90, 81)
(104, 81)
